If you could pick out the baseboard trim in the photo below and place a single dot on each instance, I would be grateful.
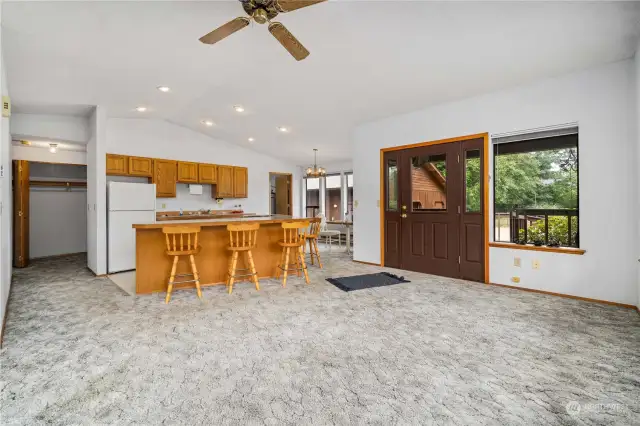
(569, 296)
(367, 263)
(6, 312)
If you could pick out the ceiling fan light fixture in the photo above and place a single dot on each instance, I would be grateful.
(208, 123)
(141, 108)
(238, 108)
(283, 129)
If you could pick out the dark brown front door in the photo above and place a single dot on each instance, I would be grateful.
(435, 223)
(392, 214)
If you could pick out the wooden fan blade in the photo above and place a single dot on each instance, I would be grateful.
(288, 41)
(225, 31)
(289, 5)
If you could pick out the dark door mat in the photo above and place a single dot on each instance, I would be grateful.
(359, 282)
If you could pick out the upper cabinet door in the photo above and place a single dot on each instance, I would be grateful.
(117, 164)
(187, 172)
(224, 184)
(207, 173)
(165, 175)
(240, 181)
(140, 166)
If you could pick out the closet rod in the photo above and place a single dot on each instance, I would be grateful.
(59, 184)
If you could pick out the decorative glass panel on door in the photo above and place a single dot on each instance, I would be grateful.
(429, 182)
(473, 194)
(392, 185)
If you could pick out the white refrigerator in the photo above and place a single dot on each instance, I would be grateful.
(128, 203)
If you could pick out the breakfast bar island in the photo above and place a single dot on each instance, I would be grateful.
(153, 265)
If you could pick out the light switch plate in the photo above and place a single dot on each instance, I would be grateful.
(377, 203)
(516, 262)
(535, 264)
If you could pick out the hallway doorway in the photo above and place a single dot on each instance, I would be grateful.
(434, 207)
(280, 192)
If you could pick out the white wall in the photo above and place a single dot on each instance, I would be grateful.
(64, 128)
(637, 123)
(160, 139)
(598, 99)
(97, 193)
(58, 222)
(5, 198)
(58, 216)
(31, 153)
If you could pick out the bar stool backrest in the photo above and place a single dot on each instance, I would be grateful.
(294, 232)
(314, 229)
(181, 238)
(243, 235)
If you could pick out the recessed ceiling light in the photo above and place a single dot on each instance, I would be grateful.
(164, 89)
(207, 123)
(238, 108)
(53, 148)
(141, 109)
(283, 129)
(251, 139)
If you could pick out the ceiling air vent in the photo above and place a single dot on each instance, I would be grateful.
(6, 106)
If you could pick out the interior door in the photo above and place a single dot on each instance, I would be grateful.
(472, 224)
(20, 213)
(392, 213)
(282, 194)
(431, 193)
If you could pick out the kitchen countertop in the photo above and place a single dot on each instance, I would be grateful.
(164, 218)
(262, 219)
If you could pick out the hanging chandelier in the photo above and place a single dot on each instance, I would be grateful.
(315, 171)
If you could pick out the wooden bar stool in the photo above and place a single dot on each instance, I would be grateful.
(183, 242)
(294, 239)
(312, 238)
(242, 238)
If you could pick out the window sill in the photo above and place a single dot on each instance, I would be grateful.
(566, 250)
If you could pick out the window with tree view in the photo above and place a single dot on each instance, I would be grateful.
(536, 190)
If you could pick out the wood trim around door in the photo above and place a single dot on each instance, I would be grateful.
(290, 190)
(485, 137)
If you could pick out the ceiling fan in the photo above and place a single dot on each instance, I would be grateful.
(263, 11)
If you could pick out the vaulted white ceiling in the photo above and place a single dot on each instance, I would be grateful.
(369, 60)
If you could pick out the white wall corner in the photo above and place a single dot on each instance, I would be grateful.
(96, 192)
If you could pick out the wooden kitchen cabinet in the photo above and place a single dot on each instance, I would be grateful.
(224, 184)
(240, 182)
(117, 164)
(140, 166)
(207, 173)
(165, 176)
(187, 172)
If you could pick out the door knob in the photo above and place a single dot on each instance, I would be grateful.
(403, 215)
(404, 207)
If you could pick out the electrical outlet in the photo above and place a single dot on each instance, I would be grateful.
(164, 206)
(355, 204)
(377, 203)
(516, 262)
(515, 279)
(535, 264)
